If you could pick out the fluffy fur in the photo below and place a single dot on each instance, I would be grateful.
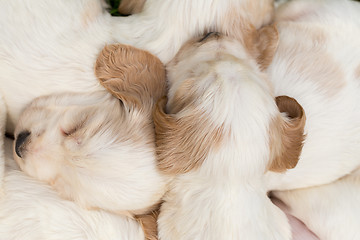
(51, 46)
(31, 210)
(317, 63)
(96, 149)
(217, 140)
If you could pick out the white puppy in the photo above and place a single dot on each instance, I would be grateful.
(51, 46)
(318, 64)
(93, 148)
(223, 131)
(31, 210)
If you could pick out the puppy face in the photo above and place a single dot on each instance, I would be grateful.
(219, 97)
(97, 149)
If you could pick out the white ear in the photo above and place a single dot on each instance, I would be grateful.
(287, 135)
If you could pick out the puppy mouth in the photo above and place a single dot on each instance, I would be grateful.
(21, 141)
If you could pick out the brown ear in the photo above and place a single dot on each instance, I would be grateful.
(287, 135)
(131, 74)
(262, 44)
(128, 7)
(182, 144)
(148, 222)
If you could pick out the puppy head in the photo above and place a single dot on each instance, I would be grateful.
(93, 148)
(218, 96)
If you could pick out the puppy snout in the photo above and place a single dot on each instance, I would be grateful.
(20, 142)
(209, 36)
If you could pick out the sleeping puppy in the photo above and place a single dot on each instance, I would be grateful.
(51, 46)
(96, 149)
(318, 64)
(222, 130)
(31, 210)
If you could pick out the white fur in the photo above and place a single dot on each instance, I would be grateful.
(225, 198)
(331, 211)
(318, 63)
(31, 210)
(50, 46)
(324, 37)
(92, 149)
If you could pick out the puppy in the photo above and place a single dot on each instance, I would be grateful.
(31, 210)
(51, 46)
(318, 64)
(222, 131)
(95, 149)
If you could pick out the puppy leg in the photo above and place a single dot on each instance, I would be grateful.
(331, 211)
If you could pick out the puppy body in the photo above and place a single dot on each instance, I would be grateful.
(317, 63)
(51, 46)
(215, 140)
(31, 210)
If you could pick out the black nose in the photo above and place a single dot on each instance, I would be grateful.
(20, 140)
(209, 34)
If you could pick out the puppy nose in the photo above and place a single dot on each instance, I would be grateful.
(20, 140)
(208, 35)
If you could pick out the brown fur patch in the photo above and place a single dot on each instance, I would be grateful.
(286, 137)
(262, 44)
(128, 7)
(148, 222)
(131, 74)
(183, 143)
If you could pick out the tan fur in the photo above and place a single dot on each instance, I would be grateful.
(238, 26)
(183, 144)
(262, 44)
(287, 137)
(131, 74)
(128, 7)
(148, 223)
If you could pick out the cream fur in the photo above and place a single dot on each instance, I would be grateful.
(92, 149)
(51, 46)
(216, 86)
(317, 63)
(31, 210)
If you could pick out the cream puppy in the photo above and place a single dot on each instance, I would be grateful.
(93, 148)
(222, 131)
(51, 46)
(31, 210)
(318, 64)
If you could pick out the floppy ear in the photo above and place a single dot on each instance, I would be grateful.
(287, 135)
(148, 223)
(133, 75)
(262, 44)
(182, 144)
(128, 7)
